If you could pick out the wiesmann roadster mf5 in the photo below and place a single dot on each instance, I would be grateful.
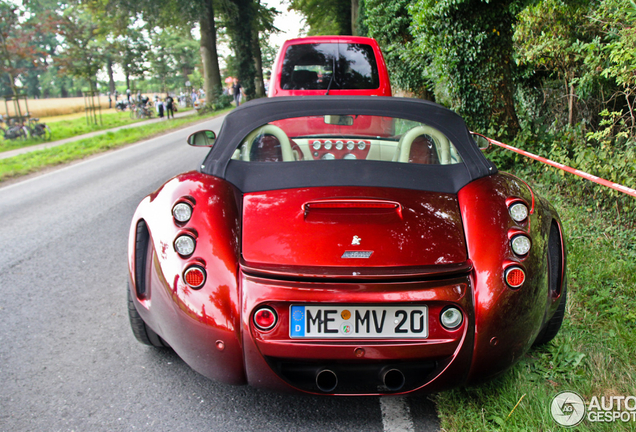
(346, 246)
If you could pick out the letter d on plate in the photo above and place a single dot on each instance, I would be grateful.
(297, 321)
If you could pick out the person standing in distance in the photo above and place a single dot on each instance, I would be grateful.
(237, 91)
(169, 102)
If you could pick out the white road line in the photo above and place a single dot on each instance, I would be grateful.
(396, 414)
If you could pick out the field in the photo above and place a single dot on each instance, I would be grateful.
(44, 108)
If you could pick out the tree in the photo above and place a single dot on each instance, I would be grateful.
(174, 57)
(209, 54)
(19, 47)
(389, 23)
(470, 42)
(611, 55)
(548, 37)
(82, 53)
(264, 27)
(176, 13)
(327, 17)
(133, 48)
(241, 25)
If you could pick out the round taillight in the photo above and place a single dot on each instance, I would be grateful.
(518, 212)
(184, 245)
(265, 318)
(520, 245)
(515, 277)
(194, 277)
(451, 318)
(182, 212)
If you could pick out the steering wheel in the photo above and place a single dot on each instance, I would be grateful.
(283, 139)
(403, 149)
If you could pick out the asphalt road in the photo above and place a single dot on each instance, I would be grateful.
(68, 360)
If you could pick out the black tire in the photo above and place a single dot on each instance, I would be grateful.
(555, 263)
(140, 329)
(553, 326)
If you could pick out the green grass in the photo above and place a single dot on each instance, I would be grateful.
(594, 354)
(70, 128)
(37, 160)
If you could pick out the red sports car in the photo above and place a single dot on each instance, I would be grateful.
(346, 246)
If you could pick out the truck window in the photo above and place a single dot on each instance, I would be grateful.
(310, 67)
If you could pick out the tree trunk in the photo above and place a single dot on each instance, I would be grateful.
(111, 78)
(209, 55)
(355, 7)
(571, 105)
(241, 27)
(258, 63)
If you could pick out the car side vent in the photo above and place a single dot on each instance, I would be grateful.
(142, 242)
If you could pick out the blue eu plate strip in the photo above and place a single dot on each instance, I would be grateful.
(297, 321)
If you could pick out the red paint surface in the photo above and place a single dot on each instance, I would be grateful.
(513, 317)
(426, 229)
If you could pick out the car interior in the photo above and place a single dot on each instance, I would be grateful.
(418, 144)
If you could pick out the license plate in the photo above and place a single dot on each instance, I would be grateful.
(358, 322)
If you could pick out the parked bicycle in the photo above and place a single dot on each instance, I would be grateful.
(13, 130)
(121, 106)
(38, 130)
(140, 111)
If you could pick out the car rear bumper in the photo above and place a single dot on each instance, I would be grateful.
(276, 361)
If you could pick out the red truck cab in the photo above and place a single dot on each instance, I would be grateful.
(334, 65)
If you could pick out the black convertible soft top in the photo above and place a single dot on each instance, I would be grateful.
(262, 176)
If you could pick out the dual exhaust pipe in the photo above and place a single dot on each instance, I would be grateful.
(393, 379)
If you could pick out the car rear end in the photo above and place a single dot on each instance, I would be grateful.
(334, 65)
(354, 290)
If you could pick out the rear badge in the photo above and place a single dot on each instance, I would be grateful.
(357, 254)
(355, 241)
